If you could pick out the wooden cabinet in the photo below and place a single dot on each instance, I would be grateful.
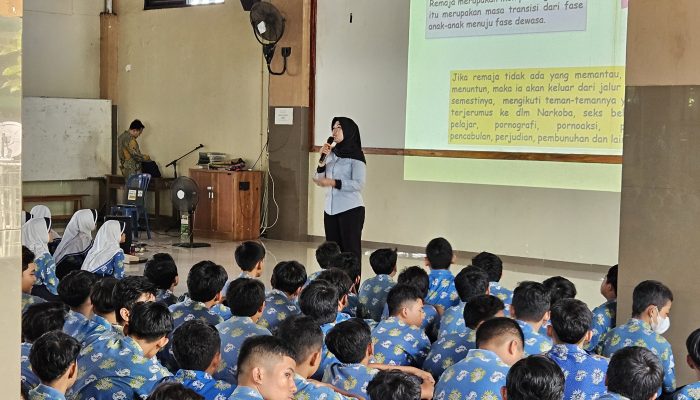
(229, 204)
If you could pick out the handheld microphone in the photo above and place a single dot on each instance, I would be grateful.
(323, 156)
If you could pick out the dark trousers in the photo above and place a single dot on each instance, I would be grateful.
(346, 229)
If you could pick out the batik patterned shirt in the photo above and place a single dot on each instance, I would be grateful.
(78, 326)
(352, 378)
(114, 267)
(46, 273)
(189, 309)
(372, 295)
(28, 376)
(449, 350)
(430, 324)
(166, 297)
(506, 295)
(351, 307)
(28, 300)
(481, 375)
(278, 306)
(604, 317)
(233, 333)
(309, 391)
(397, 343)
(584, 373)
(245, 393)
(43, 392)
(204, 384)
(612, 396)
(534, 342)
(452, 320)
(688, 392)
(442, 290)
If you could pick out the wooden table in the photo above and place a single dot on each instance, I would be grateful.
(156, 185)
(76, 199)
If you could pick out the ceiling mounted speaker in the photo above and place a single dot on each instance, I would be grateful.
(248, 4)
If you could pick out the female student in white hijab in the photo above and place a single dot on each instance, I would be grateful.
(41, 211)
(35, 236)
(106, 258)
(76, 242)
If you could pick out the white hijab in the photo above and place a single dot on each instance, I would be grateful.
(41, 211)
(78, 234)
(35, 236)
(106, 245)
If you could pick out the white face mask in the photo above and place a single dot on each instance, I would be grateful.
(661, 325)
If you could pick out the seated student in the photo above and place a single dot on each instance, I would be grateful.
(559, 288)
(35, 236)
(605, 315)
(127, 292)
(469, 283)
(28, 279)
(162, 271)
(132, 368)
(571, 330)
(399, 340)
(37, 320)
(394, 385)
(373, 291)
(534, 378)
(103, 302)
(453, 347)
(53, 359)
(342, 282)
(205, 281)
(493, 266)
(74, 290)
(196, 346)
(76, 242)
(530, 308)
(324, 254)
(288, 277)
(250, 258)
(439, 257)
(416, 276)
(266, 370)
(482, 373)
(651, 306)
(634, 373)
(246, 297)
(350, 264)
(691, 391)
(173, 391)
(106, 258)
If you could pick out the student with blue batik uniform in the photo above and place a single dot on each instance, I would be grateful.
(570, 330)
(493, 266)
(250, 258)
(634, 373)
(128, 292)
(103, 303)
(691, 391)
(534, 377)
(162, 272)
(247, 300)
(651, 305)
(373, 291)
(605, 315)
(53, 359)
(439, 257)
(288, 277)
(28, 279)
(35, 236)
(482, 373)
(324, 254)
(74, 290)
(559, 288)
(266, 370)
(530, 308)
(350, 264)
(417, 277)
(36, 321)
(469, 283)
(105, 257)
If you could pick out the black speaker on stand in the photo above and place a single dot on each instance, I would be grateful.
(248, 4)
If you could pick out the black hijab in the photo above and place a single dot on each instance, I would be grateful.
(351, 146)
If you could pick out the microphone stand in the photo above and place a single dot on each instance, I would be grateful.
(174, 162)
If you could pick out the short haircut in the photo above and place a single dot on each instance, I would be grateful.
(489, 263)
(302, 334)
(127, 292)
(161, 271)
(288, 276)
(40, 318)
(634, 372)
(262, 349)
(245, 296)
(559, 288)
(174, 391)
(471, 282)
(348, 340)
(102, 295)
(401, 294)
(650, 293)
(535, 378)
(481, 308)
(417, 277)
(136, 124)
(383, 261)
(497, 327)
(205, 280)
(439, 253)
(394, 385)
(571, 320)
(52, 354)
(338, 278)
(531, 301)
(611, 277)
(325, 253)
(195, 344)
(248, 254)
(693, 346)
(150, 321)
(74, 289)
(27, 257)
(349, 263)
(319, 300)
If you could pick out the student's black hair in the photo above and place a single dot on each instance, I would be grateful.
(161, 257)
(136, 124)
(649, 293)
(471, 282)
(481, 308)
(496, 327)
(302, 334)
(52, 354)
(611, 277)
(693, 346)
(205, 280)
(74, 289)
(288, 276)
(162, 271)
(319, 300)
(339, 279)
(383, 261)
(40, 318)
(571, 320)
(348, 263)
(439, 253)
(245, 296)
(634, 372)
(559, 288)
(195, 344)
(127, 292)
(489, 263)
(531, 301)
(102, 295)
(417, 277)
(27, 257)
(394, 385)
(248, 254)
(173, 391)
(401, 294)
(348, 340)
(325, 253)
(535, 378)
(262, 348)
(150, 321)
